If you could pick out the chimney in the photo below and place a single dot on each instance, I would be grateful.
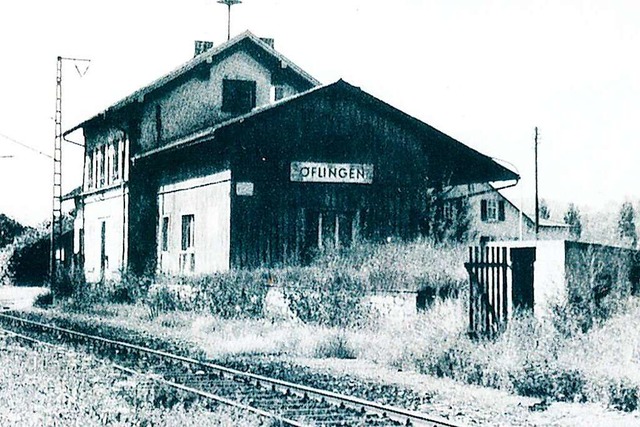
(201, 46)
(268, 41)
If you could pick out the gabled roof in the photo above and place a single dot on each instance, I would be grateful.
(543, 222)
(488, 188)
(450, 151)
(206, 57)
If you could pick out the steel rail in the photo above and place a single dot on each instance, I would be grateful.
(410, 418)
(282, 420)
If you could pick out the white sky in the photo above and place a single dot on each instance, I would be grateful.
(484, 72)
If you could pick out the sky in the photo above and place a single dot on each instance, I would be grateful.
(484, 72)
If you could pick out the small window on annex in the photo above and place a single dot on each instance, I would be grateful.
(238, 96)
(164, 234)
(188, 232)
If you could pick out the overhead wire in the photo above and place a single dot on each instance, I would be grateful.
(28, 147)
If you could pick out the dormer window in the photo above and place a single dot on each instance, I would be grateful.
(238, 96)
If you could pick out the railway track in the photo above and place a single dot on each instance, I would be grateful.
(282, 402)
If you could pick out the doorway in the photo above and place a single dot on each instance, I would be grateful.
(522, 260)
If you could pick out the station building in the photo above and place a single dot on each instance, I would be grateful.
(239, 159)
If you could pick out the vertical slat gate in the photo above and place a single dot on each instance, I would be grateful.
(488, 297)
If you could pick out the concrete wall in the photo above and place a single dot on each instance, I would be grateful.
(109, 207)
(208, 198)
(598, 275)
(585, 275)
(549, 276)
(548, 273)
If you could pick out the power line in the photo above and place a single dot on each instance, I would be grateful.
(28, 147)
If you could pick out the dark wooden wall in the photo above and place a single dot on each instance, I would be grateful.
(270, 228)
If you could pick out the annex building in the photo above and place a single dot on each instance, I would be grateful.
(493, 217)
(239, 158)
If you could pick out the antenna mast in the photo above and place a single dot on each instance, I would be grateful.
(229, 3)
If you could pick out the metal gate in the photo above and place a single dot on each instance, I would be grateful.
(491, 276)
(488, 304)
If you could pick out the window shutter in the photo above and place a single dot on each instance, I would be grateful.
(483, 210)
(501, 210)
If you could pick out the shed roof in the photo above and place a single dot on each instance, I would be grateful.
(72, 194)
(206, 57)
(465, 163)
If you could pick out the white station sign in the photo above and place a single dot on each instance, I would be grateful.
(347, 173)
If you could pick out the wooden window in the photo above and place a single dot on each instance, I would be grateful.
(115, 172)
(336, 229)
(101, 166)
(238, 96)
(448, 210)
(164, 234)
(188, 232)
(95, 167)
(187, 258)
(277, 93)
(108, 164)
(492, 210)
(89, 162)
(123, 157)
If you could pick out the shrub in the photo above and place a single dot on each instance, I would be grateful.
(331, 299)
(623, 396)
(336, 345)
(44, 300)
(544, 380)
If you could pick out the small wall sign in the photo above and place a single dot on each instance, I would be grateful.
(349, 173)
(244, 188)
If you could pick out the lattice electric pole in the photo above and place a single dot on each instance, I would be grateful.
(229, 3)
(536, 173)
(56, 215)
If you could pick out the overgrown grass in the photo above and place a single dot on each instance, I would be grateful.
(331, 292)
(531, 358)
(324, 311)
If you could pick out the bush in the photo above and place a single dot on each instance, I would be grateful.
(234, 294)
(542, 379)
(337, 346)
(623, 396)
(330, 299)
(44, 300)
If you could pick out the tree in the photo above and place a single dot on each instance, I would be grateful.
(545, 212)
(627, 225)
(9, 230)
(448, 219)
(572, 217)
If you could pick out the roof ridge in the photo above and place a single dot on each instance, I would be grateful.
(189, 65)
